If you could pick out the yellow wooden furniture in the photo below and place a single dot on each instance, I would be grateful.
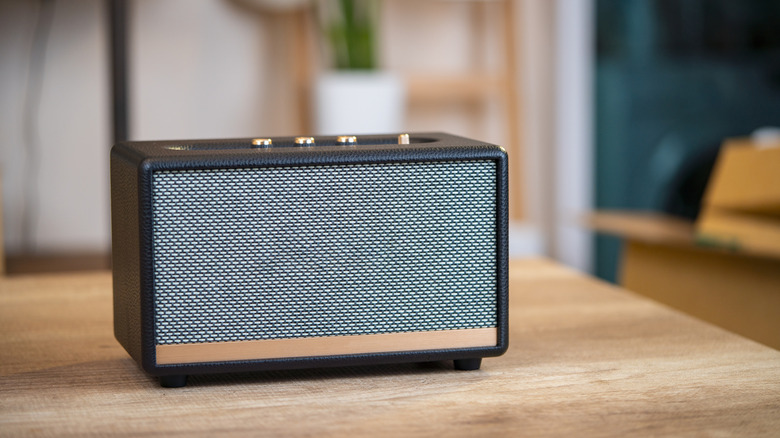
(737, 289)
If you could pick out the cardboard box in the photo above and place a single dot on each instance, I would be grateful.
(746, 178)
(741, 209)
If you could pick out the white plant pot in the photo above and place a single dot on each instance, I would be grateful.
(358, 102)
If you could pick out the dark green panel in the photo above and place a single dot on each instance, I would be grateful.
(673, 79)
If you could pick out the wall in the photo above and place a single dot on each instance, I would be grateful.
(210, 69)
(574, 105)
(54, 179)
(197, 70)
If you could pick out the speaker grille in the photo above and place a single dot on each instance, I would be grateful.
(311, 251)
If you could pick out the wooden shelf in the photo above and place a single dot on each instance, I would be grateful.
(498, 83)
(645, 226)
(452, 88)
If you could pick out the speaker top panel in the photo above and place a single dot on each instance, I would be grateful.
(285, 151)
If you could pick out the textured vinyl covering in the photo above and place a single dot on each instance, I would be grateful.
(310, 251)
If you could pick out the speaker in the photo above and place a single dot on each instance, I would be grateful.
(276, 253)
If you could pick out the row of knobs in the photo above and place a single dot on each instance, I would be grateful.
(342, 140)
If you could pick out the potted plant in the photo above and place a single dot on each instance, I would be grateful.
(354, 96)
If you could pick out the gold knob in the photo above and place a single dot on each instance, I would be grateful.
(349, 140)
(262, 142)
(304, 141)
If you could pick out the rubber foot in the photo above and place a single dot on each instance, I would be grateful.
(175, 381)
(468, 364)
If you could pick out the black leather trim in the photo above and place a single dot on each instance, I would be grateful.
(125, 254)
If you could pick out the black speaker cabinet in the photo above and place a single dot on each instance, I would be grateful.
(259, 254)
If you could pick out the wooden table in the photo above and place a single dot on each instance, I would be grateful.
(585, 359)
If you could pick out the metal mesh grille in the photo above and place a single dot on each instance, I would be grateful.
(287, 252)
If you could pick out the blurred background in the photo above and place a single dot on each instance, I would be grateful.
(600, 103)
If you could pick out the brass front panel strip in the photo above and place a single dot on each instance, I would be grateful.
(325, 346)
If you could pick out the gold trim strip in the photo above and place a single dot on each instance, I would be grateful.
(170, 354)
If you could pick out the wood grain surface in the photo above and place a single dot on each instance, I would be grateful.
(585, 359)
